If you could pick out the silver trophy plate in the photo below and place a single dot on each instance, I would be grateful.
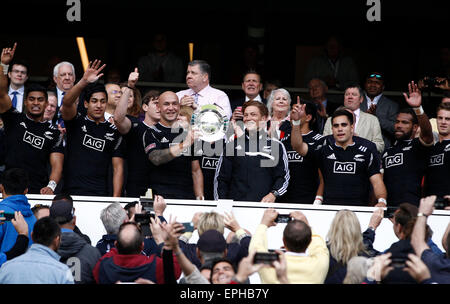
(211, 122)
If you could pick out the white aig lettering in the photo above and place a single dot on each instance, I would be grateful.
(34, 140)
(209, 163)
(344, 167)
(293, 156)
(93, 143)
(374, 13)
(395, 160)
(437, 160)
(74, 13)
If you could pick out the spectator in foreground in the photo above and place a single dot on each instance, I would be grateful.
(298, 237)
(40, 264)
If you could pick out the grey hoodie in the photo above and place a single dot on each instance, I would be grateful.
(79, 256)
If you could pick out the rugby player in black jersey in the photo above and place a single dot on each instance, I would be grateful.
(348, 168)
(177, 173)
(437, 179)
(31, 142)
(93, 143)
(405, 162)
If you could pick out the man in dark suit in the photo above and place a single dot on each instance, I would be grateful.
(325, 107)
(379, 105)
(252, 86)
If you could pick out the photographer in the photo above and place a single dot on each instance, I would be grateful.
(438, 265)
(298, 237)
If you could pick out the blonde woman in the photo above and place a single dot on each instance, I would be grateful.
(345, 241)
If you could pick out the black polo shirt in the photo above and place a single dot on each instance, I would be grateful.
(89, 152)
(437, 181)
(303, 170)
(139, 168)
(28, 146)
(346, 172)
(404, 166)
(174, 178)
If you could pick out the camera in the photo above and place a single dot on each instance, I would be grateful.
(265, 258)
(441, 202)
(398, 262)
(283, 218)
(143, 218)
(188, 227)
(432, 82)
(8, 216)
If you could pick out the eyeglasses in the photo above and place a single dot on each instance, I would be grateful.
(378, 76)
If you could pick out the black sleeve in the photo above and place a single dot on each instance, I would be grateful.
(20, 247)
(368, 240)
(169, 271)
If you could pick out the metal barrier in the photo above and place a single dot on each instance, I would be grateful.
(248, 214)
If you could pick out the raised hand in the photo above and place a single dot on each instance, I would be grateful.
(92, 72)
(415, 97)
(8, 54)
(298, 110)
(133, 78)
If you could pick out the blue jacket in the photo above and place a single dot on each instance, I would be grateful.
(8, 234)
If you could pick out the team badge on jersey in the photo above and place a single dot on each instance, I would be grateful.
(344, 167)
(394, 160)
(34, 140)
(94, 143)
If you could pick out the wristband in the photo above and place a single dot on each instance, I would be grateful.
(200, 198)
(382, 200)
(422, 214)
(52, 185)
(418, 111)
(5, 68)
(296, 122)
(318, 200)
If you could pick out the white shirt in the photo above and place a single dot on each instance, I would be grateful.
(209, 95)
(374, 101)
(19, 96)
(60, 96)
(257, 98)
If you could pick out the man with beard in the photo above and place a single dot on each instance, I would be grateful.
(31, 142)
(177, 173)
(404, 163)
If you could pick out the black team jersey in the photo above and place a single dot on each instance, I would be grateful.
(174, 178)
(89, 152)
(437, 180)
(29, 145)
(139, 168)
(303, 170)
(404, 166)
(250, 168)
(346, 173)
(208, 162)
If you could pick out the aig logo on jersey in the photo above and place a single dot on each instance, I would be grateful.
(437, 160)
(34, 140)
(344, 167)
(209, 163)
(395, 160)
(94, 143)
(293, 156)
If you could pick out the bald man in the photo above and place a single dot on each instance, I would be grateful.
(177, 174)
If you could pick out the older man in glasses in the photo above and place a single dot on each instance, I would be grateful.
(379, 105)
